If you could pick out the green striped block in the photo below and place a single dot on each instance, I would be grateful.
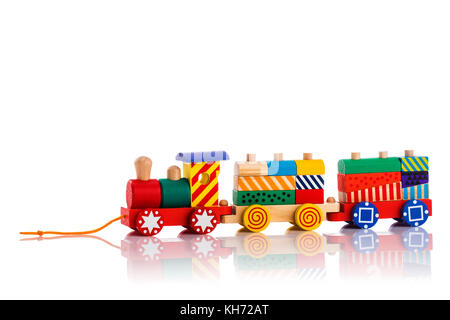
(247, 198)
(369, 165)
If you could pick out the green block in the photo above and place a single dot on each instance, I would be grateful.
(175, 193)
(370, 165)
(247, 198)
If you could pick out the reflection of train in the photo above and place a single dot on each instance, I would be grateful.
(188, 257)
(295, 255)
(404, 251)
(278, 190)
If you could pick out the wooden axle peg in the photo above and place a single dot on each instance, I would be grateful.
(331, 200)
(223, 203)
(143, 168)
(307, 156)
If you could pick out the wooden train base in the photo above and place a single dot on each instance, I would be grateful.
(257, 217)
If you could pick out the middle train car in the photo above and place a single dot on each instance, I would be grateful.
(270, 191)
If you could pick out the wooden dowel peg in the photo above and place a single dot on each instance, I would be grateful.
(143, 168)
(174, 173)
(383, 154)
(278, 156)
(307, 156)
(356, 155)
(409, 153)
(251, 157)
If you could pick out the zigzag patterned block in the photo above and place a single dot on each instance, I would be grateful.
(260, 183)
(306, 182)
(387, 192)
(416, 192)
(414, 164)
(410, 179)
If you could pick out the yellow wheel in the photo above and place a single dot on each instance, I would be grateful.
(256, 245)
(308, 217)
(256, 218)
(309, 243)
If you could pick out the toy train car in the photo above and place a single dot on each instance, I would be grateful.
(277, 191)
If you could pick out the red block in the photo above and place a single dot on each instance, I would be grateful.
(358, 181)
(143, 194)
(309, 196)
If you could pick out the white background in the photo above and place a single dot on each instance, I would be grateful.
(87, 86)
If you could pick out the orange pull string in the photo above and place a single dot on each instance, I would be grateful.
(41, 233)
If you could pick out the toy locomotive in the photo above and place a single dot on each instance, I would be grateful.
(277, 191)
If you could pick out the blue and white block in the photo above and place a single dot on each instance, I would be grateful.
(282, 168)
(309, 182)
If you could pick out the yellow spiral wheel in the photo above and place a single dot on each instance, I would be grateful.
(308, 217)
(256, 245)
(309, 243)
(256, 218)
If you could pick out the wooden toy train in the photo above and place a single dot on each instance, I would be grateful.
(277, 191)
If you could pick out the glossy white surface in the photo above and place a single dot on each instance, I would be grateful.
(88, 86)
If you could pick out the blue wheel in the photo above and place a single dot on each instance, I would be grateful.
(415, 213)
(365, 215)
(415, 239)
(365, 241)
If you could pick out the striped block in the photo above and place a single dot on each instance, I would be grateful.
(387, 192)
(410, 179)
(305, 182)
(416, 192)
(310, 167)
(359, 181)
(309, 196)
(264, 183)
(247, 198)
(282, 168)
(412, 164)
(204, 183)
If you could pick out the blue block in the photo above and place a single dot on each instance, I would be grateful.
(282, 168)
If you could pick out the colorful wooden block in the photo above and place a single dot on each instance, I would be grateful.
(387, 192)
(411, 178)
(264, 183)
(369, 165)
(310, 167)
(309, 196)
(413, 164)
(246, 198)
(175, 193)
(416, 192)
(305, 182)
(359, 181)
(282, 168)
(143, 194)
(204, 182)
(251, 168)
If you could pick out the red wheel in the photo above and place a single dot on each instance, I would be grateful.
(203, 220)
(149, 222)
